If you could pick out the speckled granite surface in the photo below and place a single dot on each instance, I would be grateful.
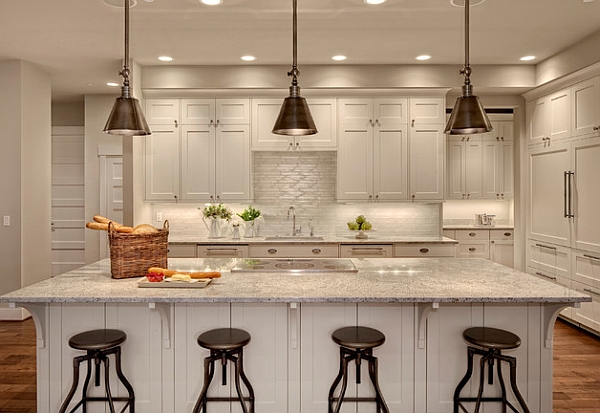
(378, 280)
(374, 238)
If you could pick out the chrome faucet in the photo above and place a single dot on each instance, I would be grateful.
(292, 211)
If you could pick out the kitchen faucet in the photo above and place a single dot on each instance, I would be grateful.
(292, 210)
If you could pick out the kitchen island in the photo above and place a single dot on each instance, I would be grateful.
(421, 305)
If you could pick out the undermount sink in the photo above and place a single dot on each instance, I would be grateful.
(292, 238)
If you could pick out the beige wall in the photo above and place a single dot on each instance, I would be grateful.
(25, 170)
(68, 114)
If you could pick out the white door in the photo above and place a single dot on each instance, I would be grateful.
(68, 199)
(548, 202)
(232, 162)
(473, 167)
(111, 199)
(162, 163)
(390, 163)
(560, 114)
(197, 162)
(426, 161)
(586, 107)
(456, 167)
(538, 118)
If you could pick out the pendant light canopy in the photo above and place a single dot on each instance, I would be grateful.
(294, 117)
(468, 116)
(126, 117)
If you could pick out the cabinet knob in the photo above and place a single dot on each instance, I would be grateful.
(472, 234)
(596, 128)
(507, 234)
(272, 251)
(316, 251)
(472, 249)
(176, 125)
(424, 250)
(412, 123)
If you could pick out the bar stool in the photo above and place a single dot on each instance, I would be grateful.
(356, 343)
(490, 342)
(99, 344)
(225, 344)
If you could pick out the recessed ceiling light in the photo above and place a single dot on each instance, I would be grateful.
(527, 58)
(375, 1)
(339, 57)
(112, 84)
(165, 58)
(211, 2)
(248, 58)
(423, 57)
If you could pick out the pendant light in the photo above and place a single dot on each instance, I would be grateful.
(126, 117)
(468, 116)
(294, 117)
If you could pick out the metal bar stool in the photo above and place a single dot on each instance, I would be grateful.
(490, 342)
(99, 344)
(225, 344)
(356, 343)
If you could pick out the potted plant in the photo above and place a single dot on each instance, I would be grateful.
(361, 225)
(213, 215)
(250, 216)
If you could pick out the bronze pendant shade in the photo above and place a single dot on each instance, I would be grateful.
(126, 117)
(294, 117)
(468, 116)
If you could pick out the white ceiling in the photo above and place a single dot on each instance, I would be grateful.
(80, 42)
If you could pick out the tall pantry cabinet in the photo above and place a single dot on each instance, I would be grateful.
(199, 150)
(564, 194)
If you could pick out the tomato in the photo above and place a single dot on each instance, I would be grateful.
(154, 277)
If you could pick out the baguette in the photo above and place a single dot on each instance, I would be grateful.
(100, 226)
(101, 219)
(198, 274)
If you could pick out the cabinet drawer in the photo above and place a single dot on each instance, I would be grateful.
(424, 250)
(502, 234)
(294, 251)
(181, 251)
(586, 269)
(549, 259)
(589, 313)
(557, 279)
(366, 251)
(222, 251)
(473, 249)
(472, 234)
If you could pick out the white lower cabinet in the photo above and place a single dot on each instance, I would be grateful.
(502, 247)
(421, 250)
(366, 251)
(473, 243)
(222, 251)
(181, 251)
(586, 279)
(294, 251)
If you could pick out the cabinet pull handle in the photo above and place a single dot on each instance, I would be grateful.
(368, 251)
(371, 122)
(424, 250)
(492, 242)
(176, 125)
(568, 194)
(591, 257)
(316, 251)
(545, 246)
(589, 290)
(507, 234)
(472, 234)
(596, 128)
(472, 249)
(412, 123)
(221, 249)
(272, 251)
(546, 276)
(218, 123)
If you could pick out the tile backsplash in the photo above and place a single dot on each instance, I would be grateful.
(307, 180)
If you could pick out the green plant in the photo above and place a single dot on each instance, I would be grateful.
(217, 211)
(249, 214)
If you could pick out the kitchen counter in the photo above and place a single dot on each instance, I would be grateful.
(391, 280)
(374, 238)
(422, 305)
(473, 226)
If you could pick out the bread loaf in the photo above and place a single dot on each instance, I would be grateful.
(198, 274)
(144, 229)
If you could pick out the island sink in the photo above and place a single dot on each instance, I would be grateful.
(309, 265)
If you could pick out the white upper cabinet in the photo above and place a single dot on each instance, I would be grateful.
(585, 115)
(265, 113)
(426, 153)
(203, 154)
(549, 117)
(427, 110)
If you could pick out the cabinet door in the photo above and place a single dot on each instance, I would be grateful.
(232, 112)
(182, 250)
(504, 169)
(323, 112)
(427, 111)
(538, 118)
(161, 159)
(547, 221)
(390, 162)
(232, 162)
(585, 161)
(586, 107)
(490, 169)
(560, 114)
(197, 162)
(266, 356)
(550, 261)
(589, 313)
(426, 162)
(456, 167)
(264, 115)
(391, 110)
(355, 162)
(162, 112)
(502, 252)
(197, 111)
(473, 167)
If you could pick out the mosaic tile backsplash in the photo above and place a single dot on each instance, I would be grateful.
(307, 181)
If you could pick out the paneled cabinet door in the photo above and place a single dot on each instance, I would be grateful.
(547, 194)
(197, 162)
(585, 116)
(585, 198)
(232, 162)
(549, 117)
(427, 110)
(390, 162)
(162, 111)
(215, 112)
(426, 153)
(162, 163)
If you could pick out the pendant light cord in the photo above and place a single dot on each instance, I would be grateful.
(294, 73)
(125, 72)
(466, 71)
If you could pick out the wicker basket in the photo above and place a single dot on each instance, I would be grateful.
(132, 254)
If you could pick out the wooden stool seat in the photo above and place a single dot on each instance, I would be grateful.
(224, 339)
(494, 338)
(358, 337)
(97, 339)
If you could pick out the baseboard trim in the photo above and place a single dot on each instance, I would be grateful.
(13, 314)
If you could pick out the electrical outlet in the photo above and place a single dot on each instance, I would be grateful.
(7, 220)
(159, 217)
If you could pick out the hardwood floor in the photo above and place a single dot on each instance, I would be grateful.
(576, 369)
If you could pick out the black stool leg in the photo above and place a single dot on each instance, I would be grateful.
(345, 361)
(109, 398)
(336, 381)
(246, 381)
(374, 374)
(483, 361)
(236, 363)
(513, 382)
(502, 386)
(209, 372)
(76, 362)
(123, 379)
(465, 379)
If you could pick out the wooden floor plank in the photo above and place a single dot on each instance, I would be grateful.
(576, 369)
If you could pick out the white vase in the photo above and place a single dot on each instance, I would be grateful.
(249, 229)
(213, 225)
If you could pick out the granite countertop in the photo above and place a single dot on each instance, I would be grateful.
(473, 226)
(326, 239)
(378, 280)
